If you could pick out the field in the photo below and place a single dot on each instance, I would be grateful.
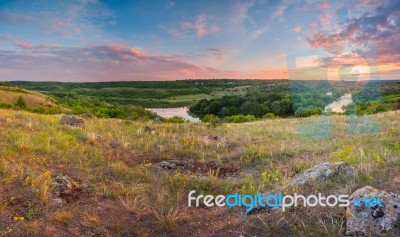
(118, 191)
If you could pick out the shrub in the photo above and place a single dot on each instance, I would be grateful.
(175, 119)
(214, 121)
(307, 112)
(240, 118)
(270, 116)
(21, 102)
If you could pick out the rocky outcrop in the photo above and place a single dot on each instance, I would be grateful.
(321, 172)
(72, 121)
(373, 221)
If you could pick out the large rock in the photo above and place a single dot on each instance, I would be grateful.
(373, 221)
(72, 121)
(321, 172)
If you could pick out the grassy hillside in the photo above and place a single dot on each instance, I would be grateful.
(29, 100)
(111, 162)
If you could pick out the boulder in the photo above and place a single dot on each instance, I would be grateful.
(72, 121)
(321, 172)
(373, 221)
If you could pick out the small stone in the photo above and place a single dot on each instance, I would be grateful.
(396, 180)
(57, 201)
(215, 138)
(114, 144)
(95, 137)
(74, 231)
(150, 130)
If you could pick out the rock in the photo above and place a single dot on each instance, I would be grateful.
(57, 202)
(396, 180)
(72, 121)
(64, 186)
(317, 173)
(320, 172)
(96, 137)
(181, 165)
(373, 221)
(150, 130)
(114, 145)
(157, 120)
(215, 138)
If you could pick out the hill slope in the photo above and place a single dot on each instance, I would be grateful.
(102, 180)
(34, 101)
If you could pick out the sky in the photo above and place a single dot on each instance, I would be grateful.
(113, 40)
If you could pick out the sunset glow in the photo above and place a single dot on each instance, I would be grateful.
(94, 40)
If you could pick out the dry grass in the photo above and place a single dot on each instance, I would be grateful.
(122, 196)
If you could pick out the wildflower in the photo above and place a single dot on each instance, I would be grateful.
(18, 218)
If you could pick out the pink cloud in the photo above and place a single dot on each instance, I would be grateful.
(186, 25)
(324, 5)
(116, 62)
(201, 27)
(297, 29)
(313, 24)
(96, 63)
(23, 44)
(137, 53)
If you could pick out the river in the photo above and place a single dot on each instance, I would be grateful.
(336, 106)
(171, 112)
